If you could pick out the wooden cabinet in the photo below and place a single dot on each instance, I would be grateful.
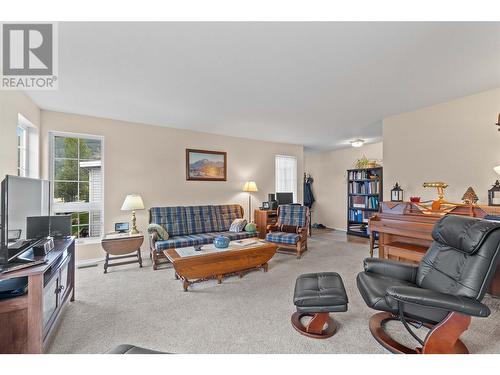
(27, 322)
(263, 218)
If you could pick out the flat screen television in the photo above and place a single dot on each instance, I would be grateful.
(21, 197)
(284, 198)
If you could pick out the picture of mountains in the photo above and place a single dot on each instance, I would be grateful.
(206, 166)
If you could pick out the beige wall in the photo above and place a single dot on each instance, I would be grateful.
(455, 142)
(11, 104)
(150, 160)
(330, 181)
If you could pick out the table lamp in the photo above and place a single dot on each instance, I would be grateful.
(250, 187)
(133, 202)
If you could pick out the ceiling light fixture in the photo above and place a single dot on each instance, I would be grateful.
(497, 169)
(357, 143)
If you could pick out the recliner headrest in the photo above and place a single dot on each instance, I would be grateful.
(464, 233)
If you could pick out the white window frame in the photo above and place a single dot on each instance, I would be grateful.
(77, 206)
(22, 151)
(293, 178)
(30, 148)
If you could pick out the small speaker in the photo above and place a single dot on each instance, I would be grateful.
(43, 247)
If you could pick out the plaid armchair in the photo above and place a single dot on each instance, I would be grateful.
(290, 232)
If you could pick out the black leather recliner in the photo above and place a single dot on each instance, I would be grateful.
(442, 292)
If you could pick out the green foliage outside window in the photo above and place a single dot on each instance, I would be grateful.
(71, 181)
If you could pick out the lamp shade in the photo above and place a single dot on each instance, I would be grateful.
(132, 202)
(497, 169)
(250, 187)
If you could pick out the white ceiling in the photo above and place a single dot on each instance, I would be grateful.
(316, 84)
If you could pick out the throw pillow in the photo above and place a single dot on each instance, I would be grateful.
(238, 225)
(251, 227)
(289, 228)
(159, 230)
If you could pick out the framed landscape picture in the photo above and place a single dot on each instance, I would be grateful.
(203, 165)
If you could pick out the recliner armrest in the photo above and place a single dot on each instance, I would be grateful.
(431, 298)
(390, 268)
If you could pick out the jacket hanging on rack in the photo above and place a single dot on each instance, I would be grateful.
(308, 194)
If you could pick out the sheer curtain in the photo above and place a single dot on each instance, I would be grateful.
(286, 175)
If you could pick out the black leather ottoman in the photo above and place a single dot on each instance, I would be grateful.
(316, 295)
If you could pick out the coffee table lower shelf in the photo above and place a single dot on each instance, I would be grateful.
(193, 269)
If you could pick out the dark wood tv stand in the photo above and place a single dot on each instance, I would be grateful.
(27, 322)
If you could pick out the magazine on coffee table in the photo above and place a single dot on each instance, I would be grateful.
(246, 242)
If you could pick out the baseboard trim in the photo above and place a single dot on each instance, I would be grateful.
(88, 263)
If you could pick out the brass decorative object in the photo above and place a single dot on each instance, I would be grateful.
(470, 196)
(438, 206)
(440, 188)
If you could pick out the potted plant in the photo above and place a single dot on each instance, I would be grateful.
(364, 162)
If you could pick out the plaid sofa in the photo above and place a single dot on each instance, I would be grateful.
(193, 225)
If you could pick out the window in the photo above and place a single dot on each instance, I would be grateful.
(22, 151)
(286, 175)
(27, 148)
(77, 182)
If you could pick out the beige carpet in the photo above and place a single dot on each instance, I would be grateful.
(249, 315)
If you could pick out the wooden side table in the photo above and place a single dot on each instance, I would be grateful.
(263, 218)
(121, 246)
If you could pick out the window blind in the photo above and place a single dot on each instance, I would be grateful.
(286, 175)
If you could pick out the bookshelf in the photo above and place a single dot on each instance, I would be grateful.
(364, 194)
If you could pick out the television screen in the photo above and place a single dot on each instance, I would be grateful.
(284, 198)
(21, 197)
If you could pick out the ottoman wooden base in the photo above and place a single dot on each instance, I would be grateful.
(316, 326)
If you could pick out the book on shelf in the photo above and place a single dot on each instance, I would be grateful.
(361, 175)
(363, 202)
(372, 202)
(366, 187)
(360, 216)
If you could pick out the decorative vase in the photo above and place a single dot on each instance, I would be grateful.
(221, 242)
(250, 227)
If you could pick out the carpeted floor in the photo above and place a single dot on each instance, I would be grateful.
(249, 315)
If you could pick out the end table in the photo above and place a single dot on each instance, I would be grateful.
(121, 245)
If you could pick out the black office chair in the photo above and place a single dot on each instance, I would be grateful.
(442, 292)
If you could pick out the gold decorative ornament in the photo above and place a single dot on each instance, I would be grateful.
(438, 206)
(470, 196)
(440, 188)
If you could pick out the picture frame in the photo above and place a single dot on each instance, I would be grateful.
(122, 227)
(206, 165)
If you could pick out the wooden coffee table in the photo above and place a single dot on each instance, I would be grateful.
(193, 266)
